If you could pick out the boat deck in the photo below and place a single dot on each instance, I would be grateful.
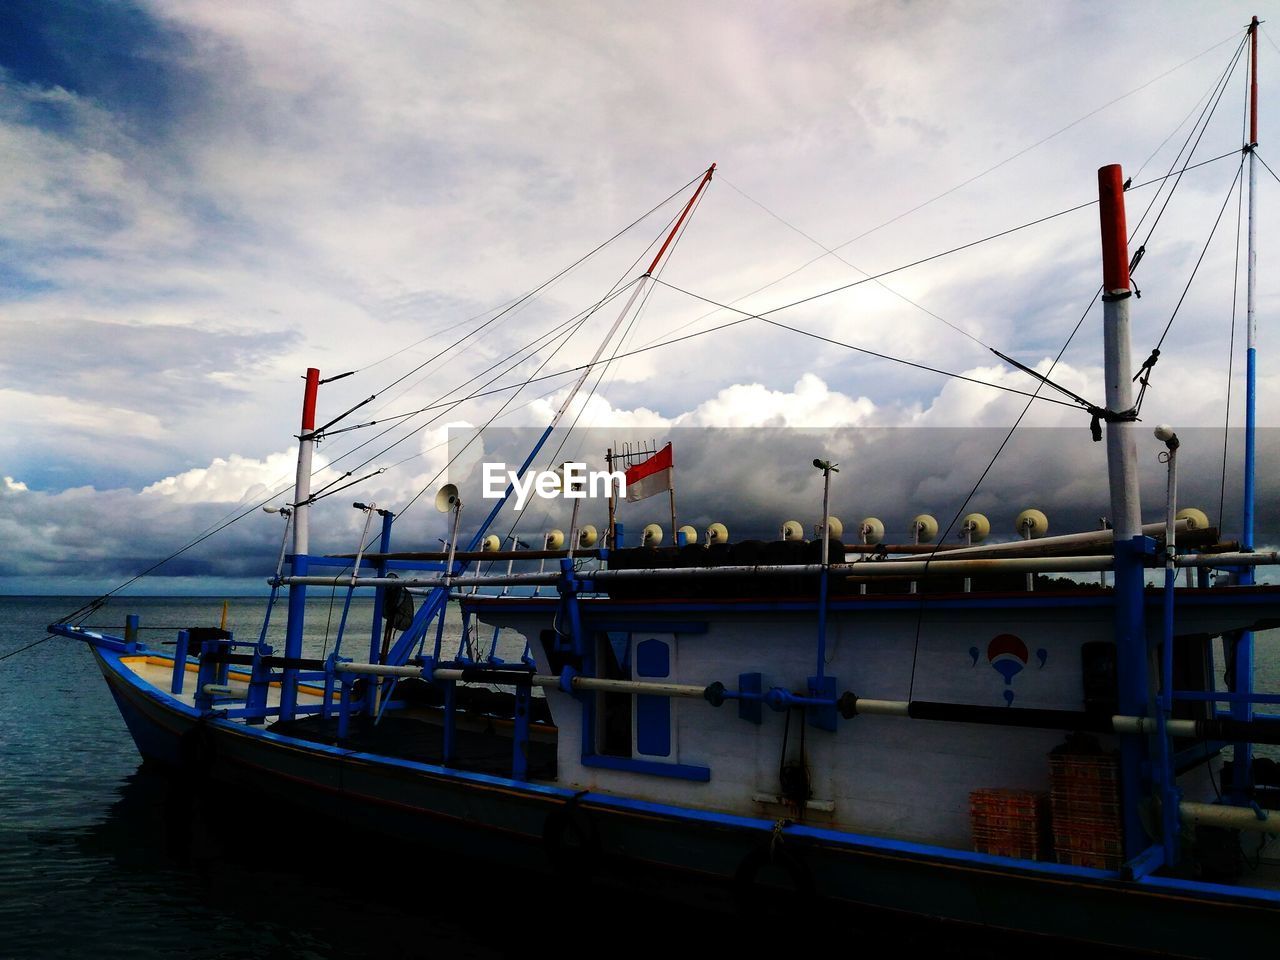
(157, 670)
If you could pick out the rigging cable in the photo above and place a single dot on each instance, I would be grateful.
(1202, 123)
(832, 251)
(616, 351)
(754, 316)
(1264, 163)
(520, 300)
(1008, 436)
(975, 177)
(1191, 279)
(618, 288)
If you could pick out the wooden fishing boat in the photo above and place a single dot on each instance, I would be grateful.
(824, 724)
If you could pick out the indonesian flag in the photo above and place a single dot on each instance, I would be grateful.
(652, 476)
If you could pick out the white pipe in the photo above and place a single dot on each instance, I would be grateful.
(1122, 448)
(538, 680)
(1088, 538)
(884, 568)
(301, 493)
(1235, 818)
(378, 670)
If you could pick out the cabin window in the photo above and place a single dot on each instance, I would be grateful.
(613, 710)
(639, 726)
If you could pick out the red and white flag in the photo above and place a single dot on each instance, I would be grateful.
(652, 476)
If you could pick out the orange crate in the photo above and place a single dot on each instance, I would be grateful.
(1008, 823)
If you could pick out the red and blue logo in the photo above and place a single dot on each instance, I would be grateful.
(1008, 656)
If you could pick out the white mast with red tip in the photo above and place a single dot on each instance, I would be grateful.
(306, 447)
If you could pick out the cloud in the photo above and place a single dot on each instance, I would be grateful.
(211, 198)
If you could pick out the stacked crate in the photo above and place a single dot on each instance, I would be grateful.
(1008, 823)
(1084, 797)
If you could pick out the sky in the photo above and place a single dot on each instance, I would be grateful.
(203, 198)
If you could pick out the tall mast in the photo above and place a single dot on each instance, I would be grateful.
(438, 597)
(1122, 456)
(299, 564)
(1132, 677)
(306, 447)
(1242, 681)
(1251, 369)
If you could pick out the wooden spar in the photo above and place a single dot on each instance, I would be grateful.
(635, 294)
(706, 178)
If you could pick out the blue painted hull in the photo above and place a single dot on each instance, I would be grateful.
(541, 828)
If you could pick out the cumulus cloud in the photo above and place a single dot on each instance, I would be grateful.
(224, 195)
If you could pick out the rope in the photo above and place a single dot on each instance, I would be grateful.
(1265, 164)
(14, 653)
(1191, 279)
(1203, 124)
(832, 251)
(521, 300)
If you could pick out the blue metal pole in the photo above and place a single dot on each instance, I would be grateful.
(379, 607)
(179, 662)
(293, 637)
(1242, 678)
(436, 599)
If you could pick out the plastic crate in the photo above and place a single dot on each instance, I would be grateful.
(1009, 823)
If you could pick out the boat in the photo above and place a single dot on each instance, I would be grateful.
(800, 724)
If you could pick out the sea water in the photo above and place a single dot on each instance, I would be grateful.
(101, 857)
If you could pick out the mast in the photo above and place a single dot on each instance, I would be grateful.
(306, 448)
(299, 563)
(1251, 371)
(435, 602)
(1122, 455)
(1242, 774)
(1132, 676)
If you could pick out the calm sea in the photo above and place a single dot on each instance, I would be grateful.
(102, 858)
